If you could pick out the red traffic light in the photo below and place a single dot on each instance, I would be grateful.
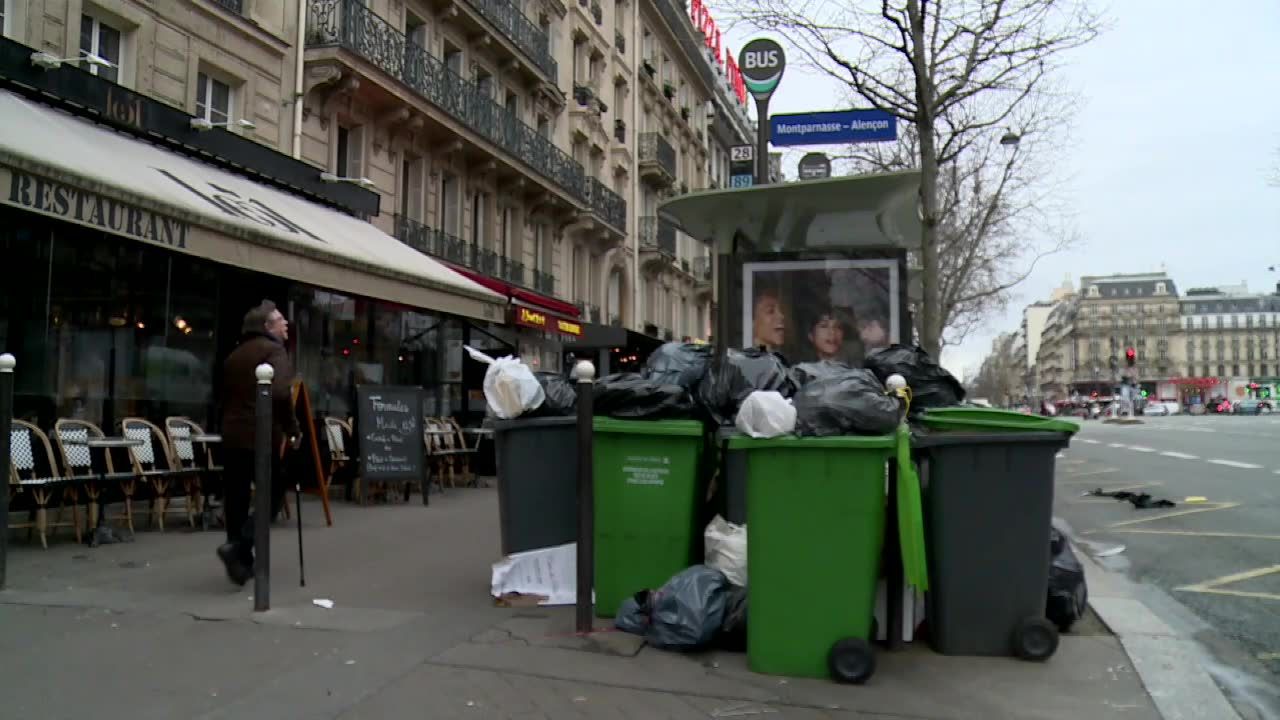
(1130, 354)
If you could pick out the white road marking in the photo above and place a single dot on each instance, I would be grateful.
(1234, 464)
(1139, 448)
(1180, 456)
(1115, 445)
(1091, 442)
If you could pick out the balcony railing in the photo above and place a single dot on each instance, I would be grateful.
(702, 269)
(352, 26)
(528, 37)
(620, 41)
(235, 6)
(606, 203)
(658, 234)
(655, 149)
(439, 244)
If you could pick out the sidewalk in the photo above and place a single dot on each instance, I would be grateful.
(152, 629)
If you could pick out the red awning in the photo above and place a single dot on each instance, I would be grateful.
(514, 292)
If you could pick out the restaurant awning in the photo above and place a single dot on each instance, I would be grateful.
(69, 168)
(517, 293)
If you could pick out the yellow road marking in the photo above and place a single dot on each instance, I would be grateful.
(1214, 587)
(1179, 513)
(1192, 533)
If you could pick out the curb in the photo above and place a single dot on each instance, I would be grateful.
(1168, 663)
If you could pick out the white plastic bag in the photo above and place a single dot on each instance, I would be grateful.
(509, 386)
(766, 414)
(726, 549)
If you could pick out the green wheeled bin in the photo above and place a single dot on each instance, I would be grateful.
(815, 532)
(988, 504)
(648, 492)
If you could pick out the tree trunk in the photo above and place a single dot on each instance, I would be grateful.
(930, 311)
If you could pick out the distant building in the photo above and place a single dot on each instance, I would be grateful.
(1232, 336)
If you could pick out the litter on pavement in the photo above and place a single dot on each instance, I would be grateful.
(1141, 501)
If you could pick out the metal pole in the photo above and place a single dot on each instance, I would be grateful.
(302, 568)
(584, 373)
(7, 362)
(262, 490)
(762, 141)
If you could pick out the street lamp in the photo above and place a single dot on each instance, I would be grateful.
(46, 61)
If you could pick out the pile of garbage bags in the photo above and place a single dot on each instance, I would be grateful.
(700, 607)
(753, 389)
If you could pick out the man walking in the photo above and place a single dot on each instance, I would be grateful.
(263, 335)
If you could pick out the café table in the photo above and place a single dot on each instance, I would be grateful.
(101, 533)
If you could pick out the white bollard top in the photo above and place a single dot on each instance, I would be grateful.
(895, 382)
(584, 371)
(265, 373)
(7, 362)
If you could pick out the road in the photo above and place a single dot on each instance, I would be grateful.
(1211, 566)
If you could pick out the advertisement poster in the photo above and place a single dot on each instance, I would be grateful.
(811, 310)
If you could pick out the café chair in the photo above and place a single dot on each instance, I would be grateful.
(34, 471)
(70, 435)
(153, 461)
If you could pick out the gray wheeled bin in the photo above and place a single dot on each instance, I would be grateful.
(537, 482)
(988, 504)
(731, 488)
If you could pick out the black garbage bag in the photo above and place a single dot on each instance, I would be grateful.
(931, 385)
(633, 614)
(853, 403)
(723, 388)
(681, 364)
(629, 396)
(805, 373)
(733, 631)
(1068, 594)
(561, 397)
(687, 612)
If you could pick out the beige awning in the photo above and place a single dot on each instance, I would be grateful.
(72, 169)
(880, 209)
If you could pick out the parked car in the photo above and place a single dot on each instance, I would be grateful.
(1156, 408)
(1251, 406)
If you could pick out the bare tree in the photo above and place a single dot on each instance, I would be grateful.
(954, 70)
(999, 207)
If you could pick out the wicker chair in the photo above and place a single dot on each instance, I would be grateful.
(34, 471)
(153, 461)
(70, 436)
(196, 458)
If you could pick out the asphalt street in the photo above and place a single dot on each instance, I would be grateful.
(1212, 563)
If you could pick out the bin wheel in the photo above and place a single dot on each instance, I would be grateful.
(851, 661)
(1035, 639)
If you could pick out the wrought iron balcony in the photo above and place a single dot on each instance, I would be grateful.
(658, 235)
(702, 269)
(442, 245)
(620, 41)
(657, 159)
(607, 204)
(528, 37)
(235, 6)
(543, 282)
(350, 25)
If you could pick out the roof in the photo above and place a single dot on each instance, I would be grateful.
(1132, 285)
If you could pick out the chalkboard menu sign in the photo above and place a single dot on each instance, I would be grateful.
(389, 432)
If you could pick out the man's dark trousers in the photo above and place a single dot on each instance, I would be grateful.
(238, 483)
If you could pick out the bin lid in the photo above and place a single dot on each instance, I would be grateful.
(991, 420)
(523, 423)
(922, 440)
(679, 428)
(836, 442)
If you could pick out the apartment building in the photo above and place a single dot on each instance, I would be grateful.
(1231, 333)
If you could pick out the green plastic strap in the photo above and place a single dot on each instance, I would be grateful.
(915, 564)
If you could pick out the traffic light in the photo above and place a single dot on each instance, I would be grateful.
(1144, 394)
(1130, 356)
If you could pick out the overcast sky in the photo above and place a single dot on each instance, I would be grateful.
(1170, 156)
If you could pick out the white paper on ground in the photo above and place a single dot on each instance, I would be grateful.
(550, 572)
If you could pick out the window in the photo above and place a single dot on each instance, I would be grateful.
(479, 213)
(484, 81)
(513, 104)
(453, 59)
(540, 260)
(213, 100)
(99, 38)
(348, 159)
(506, 234)
(447, 212)
(411, 187)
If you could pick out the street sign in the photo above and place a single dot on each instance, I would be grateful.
(741, 181)
(762, 62)
(833, 128)
(742, 166)
(742, 153)
(815, 166)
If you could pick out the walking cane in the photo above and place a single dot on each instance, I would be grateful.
(302, 570)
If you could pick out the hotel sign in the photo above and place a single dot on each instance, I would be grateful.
(66, 202)
(705, 24)
(537, 320)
